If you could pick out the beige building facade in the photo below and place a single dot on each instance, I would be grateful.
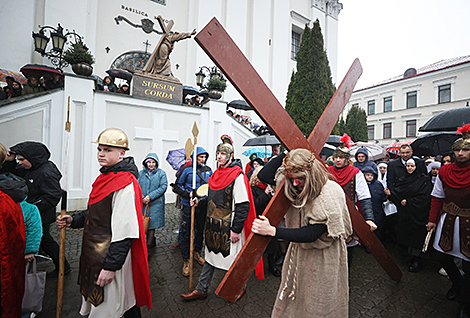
(396, 108)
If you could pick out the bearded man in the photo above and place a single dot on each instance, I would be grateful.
(450, 217)
(315, 275)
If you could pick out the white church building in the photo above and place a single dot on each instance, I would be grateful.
(267, 31)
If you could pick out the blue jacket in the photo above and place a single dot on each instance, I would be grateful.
(154, 184)
(377, 195)
(185, 181)
(366, 163)
(33, 227)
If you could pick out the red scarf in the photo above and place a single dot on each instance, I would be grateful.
(343, 175)
(105, 184)
(455, 175)
(220, 179)
(262, 186)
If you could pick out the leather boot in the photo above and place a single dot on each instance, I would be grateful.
(272, 266)
(186, 268)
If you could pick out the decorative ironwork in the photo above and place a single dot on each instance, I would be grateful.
(131, 61)
(59, 42)
(204, 72)
(146, 26)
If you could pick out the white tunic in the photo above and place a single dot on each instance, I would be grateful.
(119, 295)
(438, 192)
(240, 195)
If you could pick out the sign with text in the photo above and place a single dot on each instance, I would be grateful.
(157, 89)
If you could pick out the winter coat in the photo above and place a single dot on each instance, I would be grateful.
(42, 179)
(366, 163)
(111, 86)
(33, 227)
(184, 184)
(16, 188)
(28, 89)
(154, 184)
(378, 197)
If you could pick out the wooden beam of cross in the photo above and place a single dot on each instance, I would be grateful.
(223, 51)
(166, 30)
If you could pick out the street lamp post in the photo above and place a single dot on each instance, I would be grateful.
(204, 72)
(59, 39)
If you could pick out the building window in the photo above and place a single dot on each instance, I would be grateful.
(411, 99)
(387, 130)
(295, 44)
(370, 132)
(371, 107)
(444, 94)
(387, 104)
(411, 128)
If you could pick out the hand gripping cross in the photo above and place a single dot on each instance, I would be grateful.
(223, 51)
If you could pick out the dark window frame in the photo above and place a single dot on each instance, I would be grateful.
(371, 130)
(441, 90)
(409, 125)
(411, 96)
(369, 104)
(388, 99)
(295, 44)
(387, 126)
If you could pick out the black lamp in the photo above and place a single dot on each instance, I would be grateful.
(200, 77)
(40, 42)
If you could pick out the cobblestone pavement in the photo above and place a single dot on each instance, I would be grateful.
(372, 293)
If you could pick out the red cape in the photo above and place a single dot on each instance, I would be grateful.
(105, 184)
(455, 175)
(343, 175)
(220, 179)
(12, 263)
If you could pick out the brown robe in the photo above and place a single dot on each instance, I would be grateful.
(315, 275)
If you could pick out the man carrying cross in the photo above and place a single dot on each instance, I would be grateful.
(318, 225)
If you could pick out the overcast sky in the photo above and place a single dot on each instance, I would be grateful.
(390, 36)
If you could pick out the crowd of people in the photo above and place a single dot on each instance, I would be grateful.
(401, 201)
(34, 85)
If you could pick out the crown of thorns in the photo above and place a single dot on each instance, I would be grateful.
(293, 168)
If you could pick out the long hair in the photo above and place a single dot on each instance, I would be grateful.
(254, 177)
(301, 163)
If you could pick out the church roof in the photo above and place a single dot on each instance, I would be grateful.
(437, 66)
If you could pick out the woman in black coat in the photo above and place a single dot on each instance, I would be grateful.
(262, 194)
(414, 194)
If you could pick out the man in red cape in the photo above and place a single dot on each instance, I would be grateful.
(230, 215)
(450, 218)
(12, 245)
(113, 274)
(352, 180)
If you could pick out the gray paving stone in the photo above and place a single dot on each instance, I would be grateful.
(372, 293)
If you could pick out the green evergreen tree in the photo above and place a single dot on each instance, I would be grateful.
(311, 87)
(356, 124)
(340, 127)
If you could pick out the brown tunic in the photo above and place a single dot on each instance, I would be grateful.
(95, 245)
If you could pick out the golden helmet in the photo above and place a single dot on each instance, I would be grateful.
(3, 154)
(113, 137)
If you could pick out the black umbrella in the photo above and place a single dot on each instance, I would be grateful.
(189, 90)
(449, 120)
(120, 73)
(38, 70)
(433, 144)
(239, 104)
(333, 140)
(264, 140)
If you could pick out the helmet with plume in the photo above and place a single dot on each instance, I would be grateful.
(343, 149)
(464, 142)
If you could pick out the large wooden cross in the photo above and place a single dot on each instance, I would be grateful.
(223, 51)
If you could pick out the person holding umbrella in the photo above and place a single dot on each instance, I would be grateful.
(184, 187)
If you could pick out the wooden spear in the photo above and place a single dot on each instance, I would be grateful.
(195, 132)
(63, 211)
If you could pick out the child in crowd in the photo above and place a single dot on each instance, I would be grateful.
(433, 169)
(378, 197)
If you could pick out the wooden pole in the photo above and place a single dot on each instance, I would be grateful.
(60, 283)
(191, 248)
